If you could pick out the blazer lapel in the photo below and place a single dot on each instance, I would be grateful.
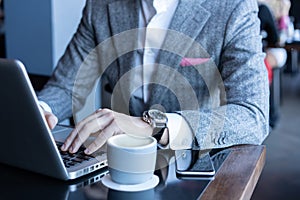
(188, 21)
(124, 20)
(124, 16)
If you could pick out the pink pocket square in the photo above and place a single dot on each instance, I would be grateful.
(193, 61)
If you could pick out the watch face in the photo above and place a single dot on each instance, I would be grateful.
(158, 116)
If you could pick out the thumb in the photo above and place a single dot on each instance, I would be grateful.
(51, 119)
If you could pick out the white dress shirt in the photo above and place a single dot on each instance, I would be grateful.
(180, 134)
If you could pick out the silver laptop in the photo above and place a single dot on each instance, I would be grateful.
(26, 141)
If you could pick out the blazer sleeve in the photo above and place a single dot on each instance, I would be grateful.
(57, 93)
(243, 117)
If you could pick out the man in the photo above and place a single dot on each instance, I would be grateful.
(200, 62)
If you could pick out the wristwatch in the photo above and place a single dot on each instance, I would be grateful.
(158, 120)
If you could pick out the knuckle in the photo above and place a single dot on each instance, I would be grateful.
(106, 110)
(110, 115)
(85, 127)
(78, 140)
(100, 126)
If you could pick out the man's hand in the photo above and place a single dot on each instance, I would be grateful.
(104, 123)
(51, 119)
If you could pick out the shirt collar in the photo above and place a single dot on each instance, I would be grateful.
(163, 5)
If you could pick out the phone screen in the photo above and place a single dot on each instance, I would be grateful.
(194, 163)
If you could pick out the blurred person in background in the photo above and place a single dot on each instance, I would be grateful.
(275, 56)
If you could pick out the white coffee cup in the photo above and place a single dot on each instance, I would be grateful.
(131, 159)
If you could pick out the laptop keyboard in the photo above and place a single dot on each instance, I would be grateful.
(72, 159)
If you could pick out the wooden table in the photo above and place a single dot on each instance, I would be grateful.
(292, 45)
(238, 175)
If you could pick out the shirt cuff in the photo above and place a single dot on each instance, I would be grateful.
(180, 134)
(45, 106)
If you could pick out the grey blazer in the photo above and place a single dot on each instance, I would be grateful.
(210, 67)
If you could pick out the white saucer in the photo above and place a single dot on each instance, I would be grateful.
(106, 180)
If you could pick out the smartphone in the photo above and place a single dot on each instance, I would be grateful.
(194, 163)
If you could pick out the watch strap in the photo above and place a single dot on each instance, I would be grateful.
(158, 133)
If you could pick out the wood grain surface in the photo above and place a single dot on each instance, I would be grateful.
(238, 175)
